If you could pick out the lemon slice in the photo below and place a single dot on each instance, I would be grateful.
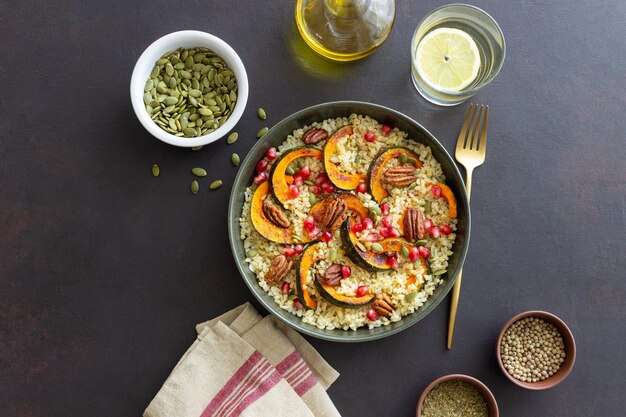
(448, 59)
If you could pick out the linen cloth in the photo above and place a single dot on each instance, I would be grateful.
(242, 364)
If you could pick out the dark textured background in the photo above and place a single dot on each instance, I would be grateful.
(104, 270)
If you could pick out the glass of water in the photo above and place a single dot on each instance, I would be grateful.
(456, 50)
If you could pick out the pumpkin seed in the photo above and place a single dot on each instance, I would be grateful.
(155, 170)
(198, 172)
(261, 113)
(261, 132)
(404, 252)
(332, 254)
(291, 296)
(402, 159)
(250, 253)
(411, 161)
(232, 138)
(195, 187)
(309, 182)
(300, 164)
(312, 199)
(235, 159)
(290, 171)
(439, 272)
(196, 148)
(410, 296)
(215, 184)
(377, 247)
(189, 132)
(427, 207)
(421, 243)
(361, 247)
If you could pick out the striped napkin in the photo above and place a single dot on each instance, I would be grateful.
(242, 364)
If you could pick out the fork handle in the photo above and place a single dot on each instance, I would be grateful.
(456, 290)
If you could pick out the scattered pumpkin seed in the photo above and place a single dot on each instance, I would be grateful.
(292, 296)
(235, 159)
(261, 113)
(360, 246)
(198, 172)
(232, 138)
(250, 253)
(312, 198)
(405, 251)
(309, 182)
(262, 132)
(411, 161)
(195, 187)
(402, 159)
(290, 171)
(427, 207)
(215, 184)
(332, 254)
(410, 296)
(155, 170)
(300, 164)
(196, 148)
(377, 247)
(421, 243)
(439, 272)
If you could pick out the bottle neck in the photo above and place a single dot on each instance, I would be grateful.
(346, 9)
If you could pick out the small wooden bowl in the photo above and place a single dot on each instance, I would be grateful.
(492, 405)
(568, 341)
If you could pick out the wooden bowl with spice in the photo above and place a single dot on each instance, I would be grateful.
(536, 350)
(457, 395)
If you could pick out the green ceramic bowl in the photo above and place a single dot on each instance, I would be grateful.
(277, 135)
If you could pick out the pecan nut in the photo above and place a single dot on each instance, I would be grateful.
(383, 305)
(414, 224)
(335, 212)
(313, 136)
(332, 275)
(399, 176)
(279, 269)
(275, 214)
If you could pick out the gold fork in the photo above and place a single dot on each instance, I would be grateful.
(471, 147)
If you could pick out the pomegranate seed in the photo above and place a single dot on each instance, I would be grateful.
(298, 248)
(367, 223)
(414, 253)
(321, 178)
(362, 290)
(294, 190)
(372, 315)
(386, 221)
(428, 224)
(445, 229)
(315, 189)
(357, 227)
(436, 190)
(361, 188)
(285, 287)
(288, 251)
(394, 232)
(314, 232)
(345, 271)
(327, 236)
(384, 231)
(384, 208)
(434, 232)
(386, 129)
(297, 304)
(271, 154)
(369, 136)
(328, 187)
(424, 252)
(392, 261)
(372, 237)
(260, 178)
(297, 180)
(309, 224)
(305, 172)
(261, 166)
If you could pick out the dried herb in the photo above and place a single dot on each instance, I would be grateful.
(454, 398)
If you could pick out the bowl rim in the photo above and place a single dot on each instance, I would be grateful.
(200, 39)
(568, 340)
(490, 399)
(255, 289)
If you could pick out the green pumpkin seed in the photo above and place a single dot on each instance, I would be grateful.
(261, 113)
(196, 148)
(439, 272)
(262, 132)
(312, 199)
(309, 182)
(189, 132)
(410, 296)
(198, 172)
(195, 187)
(215, 184)
(377, 247)
(427, 207)
(250, 253)
(421, 243)
(411, 161)
(360, 246)
(300, 164)
(291, 296)
(332, 254)
(232, 138)
(155, 170)
(290, 171)
(404, 252)
(402, 159)
(235, 159)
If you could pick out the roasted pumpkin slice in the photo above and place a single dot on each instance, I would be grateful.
(330, 294)
(353, 202)
(375, 174)
(279, 180)
(340, 179)
(264, 226)
(447, 193)
(307, 260)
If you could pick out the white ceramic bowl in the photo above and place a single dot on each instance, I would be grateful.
(171, 42)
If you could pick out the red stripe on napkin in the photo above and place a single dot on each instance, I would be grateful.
(297, 373)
